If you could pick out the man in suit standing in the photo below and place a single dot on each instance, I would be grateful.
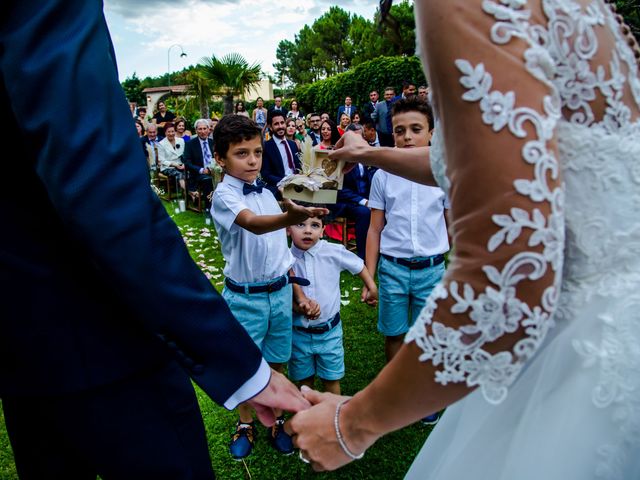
(280, 156)
(277, 107)
(347, 109)
(104, 316)
(370, 106)
(198, 158)
(382, 116)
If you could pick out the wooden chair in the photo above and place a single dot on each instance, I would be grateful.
(345, 224)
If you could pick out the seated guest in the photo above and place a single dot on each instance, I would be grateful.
(353, 200)
(345, 120)
(170, 151)
(280, 156)
(370, 134)
(198, 158)
(314, 128)
(150, 145)
(181, 129)
(290, 132)
(329, 135)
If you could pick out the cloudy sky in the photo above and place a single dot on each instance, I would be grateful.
(144, 30)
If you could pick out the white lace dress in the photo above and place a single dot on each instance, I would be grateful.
(547, 324)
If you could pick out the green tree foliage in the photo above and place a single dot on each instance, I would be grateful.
(132, 87)
(630, 10)
(338, 41)
(326, 95)
(230, 75)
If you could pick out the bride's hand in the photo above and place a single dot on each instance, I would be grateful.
(314, 433)
(352, 148)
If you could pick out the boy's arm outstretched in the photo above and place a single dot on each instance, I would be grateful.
(261, 224)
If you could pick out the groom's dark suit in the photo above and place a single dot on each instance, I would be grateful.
(103, 314)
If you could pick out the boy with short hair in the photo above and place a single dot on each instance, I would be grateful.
(407, 233)
(317, 343)
(250, 225)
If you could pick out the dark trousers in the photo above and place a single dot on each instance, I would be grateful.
(146, 427)
(361, 216)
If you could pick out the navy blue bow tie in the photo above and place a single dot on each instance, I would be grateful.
(247, 188)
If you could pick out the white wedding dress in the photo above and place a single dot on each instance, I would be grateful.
(559, 398)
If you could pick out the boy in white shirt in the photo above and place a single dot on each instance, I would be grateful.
(317, 343)
(251, 228)
(407, 236)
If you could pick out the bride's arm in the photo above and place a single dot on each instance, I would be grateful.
(494, 307)
(411, 163)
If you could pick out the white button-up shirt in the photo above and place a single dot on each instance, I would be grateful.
(414, 214)
(250, 258)
(321, 265)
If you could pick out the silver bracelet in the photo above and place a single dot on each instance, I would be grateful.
(336, 423)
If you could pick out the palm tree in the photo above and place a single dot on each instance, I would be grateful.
(231, 75)
(200, 92)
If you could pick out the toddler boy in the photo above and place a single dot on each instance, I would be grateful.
(317, 343)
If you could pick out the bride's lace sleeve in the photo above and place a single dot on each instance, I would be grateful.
(497, 120)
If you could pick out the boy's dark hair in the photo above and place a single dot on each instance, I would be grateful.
(368, 123)
(273, 114)
(234, 129)
(413, 104)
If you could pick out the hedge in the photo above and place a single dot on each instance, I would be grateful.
(327, 95)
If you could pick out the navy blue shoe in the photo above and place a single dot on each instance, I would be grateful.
(431, 419)
(242, 440)
(280, 440)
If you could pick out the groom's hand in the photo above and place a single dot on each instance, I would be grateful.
(280, 394)
(313, 431)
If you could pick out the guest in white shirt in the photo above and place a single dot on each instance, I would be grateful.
(407, 235)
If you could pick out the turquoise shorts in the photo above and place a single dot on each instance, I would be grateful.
(267, 319)
(320, 354)
(402, 294)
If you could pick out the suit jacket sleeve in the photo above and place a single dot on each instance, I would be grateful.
(101, 176)
(193, 156)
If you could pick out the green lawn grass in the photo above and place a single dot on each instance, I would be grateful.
(389, 458)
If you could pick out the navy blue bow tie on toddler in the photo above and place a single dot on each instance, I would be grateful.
(247, 188)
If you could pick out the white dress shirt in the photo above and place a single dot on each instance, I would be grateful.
(414, 214)
(250, 258)
(321, 265)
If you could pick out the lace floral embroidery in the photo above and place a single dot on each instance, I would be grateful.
(600, 160)
(497, 310)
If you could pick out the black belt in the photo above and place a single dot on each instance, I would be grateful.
(322, 328)
(273, 286)
(416, 264)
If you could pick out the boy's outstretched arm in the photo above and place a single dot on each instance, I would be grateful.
(261, 224)
(370, 290)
